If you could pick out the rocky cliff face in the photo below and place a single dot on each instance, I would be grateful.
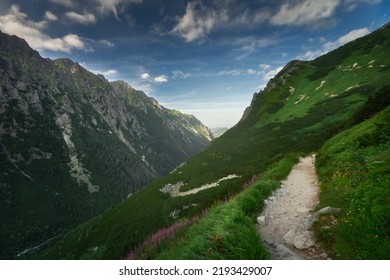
(73, 144)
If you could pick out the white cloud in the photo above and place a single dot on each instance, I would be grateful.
(314, 13)
(111, 6)
(65, 3)
(304, 12)
(251, 72)
(350, 36)
(145, 76)
(270, 74)
(233, 72)
(351, 5)
(310, 55)
(106, 6)
(16, 23)
(106, 43)
(267, 71)
(74, 41)
(85, 18)
(180, 74)
(161, 79)
(50, 16)
(262, 16)
(106, 73)
(204, 17)
(110, 72)
(264, 66)
(198, 21)
(103, 42)
(250, 44)
(238, 17)
(342, 40)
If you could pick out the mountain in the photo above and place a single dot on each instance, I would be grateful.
(73, 144)
(206, 208)
(218, 131)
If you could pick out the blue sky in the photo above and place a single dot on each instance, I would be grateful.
(205, 58)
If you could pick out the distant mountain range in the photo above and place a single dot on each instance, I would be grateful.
(73, 144)
(218, 131)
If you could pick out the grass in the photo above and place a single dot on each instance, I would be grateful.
(331, 68)
(354, 170)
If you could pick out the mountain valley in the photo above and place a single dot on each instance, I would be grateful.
(335, 106)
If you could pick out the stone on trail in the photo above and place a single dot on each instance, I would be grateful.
(300, 238)
(261, 220)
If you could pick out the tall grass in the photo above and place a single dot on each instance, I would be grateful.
(354, 170)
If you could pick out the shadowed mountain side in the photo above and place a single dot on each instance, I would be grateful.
(73, 144)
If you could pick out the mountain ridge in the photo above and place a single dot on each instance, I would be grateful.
(73, 144)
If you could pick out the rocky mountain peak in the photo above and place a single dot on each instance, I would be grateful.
(281, 78)
(16, 46)
(122, 85)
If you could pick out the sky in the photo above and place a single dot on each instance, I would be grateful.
(205, 58)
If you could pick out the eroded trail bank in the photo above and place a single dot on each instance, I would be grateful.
(285, 223)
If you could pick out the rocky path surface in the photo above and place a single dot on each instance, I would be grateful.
(284, 225)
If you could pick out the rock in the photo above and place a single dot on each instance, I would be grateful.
(328, 210)
(261, 220)
(174, 214)
(324, 211)
(324, 255)
(300, 238)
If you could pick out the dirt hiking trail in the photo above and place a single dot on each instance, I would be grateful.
(284, 225)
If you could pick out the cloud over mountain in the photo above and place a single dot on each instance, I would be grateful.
(17, 23)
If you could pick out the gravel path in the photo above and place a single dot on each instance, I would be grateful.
(284, 225)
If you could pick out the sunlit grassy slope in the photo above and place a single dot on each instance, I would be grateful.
(302, 107)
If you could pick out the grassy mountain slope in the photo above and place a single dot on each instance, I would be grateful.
(354, 169)
(300, 109)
